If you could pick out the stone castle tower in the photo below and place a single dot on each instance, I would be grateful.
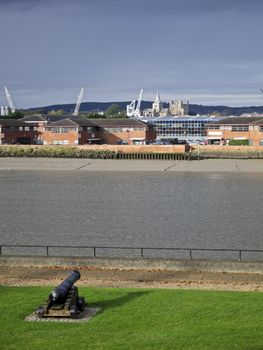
(179, 108)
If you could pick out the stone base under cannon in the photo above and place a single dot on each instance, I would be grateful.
(73, 306)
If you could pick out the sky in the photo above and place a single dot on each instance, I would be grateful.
(206, 51)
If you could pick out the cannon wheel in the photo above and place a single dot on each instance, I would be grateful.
(40, 312)
(81, 304)
(73, 312)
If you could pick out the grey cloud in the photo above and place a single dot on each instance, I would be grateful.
(144, 7)
(116, 47)
(173, 7)
(23, 5)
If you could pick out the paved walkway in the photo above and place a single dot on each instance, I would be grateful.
(22, 276)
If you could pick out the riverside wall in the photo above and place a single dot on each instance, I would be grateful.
(136, 264)
(205, 151)
(225, 151)
(138, 148)
(111, 148)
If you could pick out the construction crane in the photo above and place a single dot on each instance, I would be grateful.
(131, 110)
(9, 100)
(79, 101)
(137, 110)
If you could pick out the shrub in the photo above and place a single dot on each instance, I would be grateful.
(238, 143)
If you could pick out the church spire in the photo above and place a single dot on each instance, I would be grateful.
(157, 98)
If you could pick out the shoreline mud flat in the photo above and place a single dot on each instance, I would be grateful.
(60, 164)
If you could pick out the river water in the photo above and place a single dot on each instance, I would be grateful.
(160, 209)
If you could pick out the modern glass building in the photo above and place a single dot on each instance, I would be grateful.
(189, 128)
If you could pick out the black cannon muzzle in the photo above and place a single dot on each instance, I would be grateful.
(59, 294)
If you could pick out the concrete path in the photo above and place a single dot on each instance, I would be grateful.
(51, 276)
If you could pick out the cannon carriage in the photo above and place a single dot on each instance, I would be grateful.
(64, 300)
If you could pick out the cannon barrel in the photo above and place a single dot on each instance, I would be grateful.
(59, 294)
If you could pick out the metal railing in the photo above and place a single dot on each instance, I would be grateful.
(156, 156)
(138, 252)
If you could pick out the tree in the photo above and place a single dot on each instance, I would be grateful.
(91, 115)
(113, 111)
(56, 112)
(16, 115)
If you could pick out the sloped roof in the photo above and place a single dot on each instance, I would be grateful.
(240, 121)
(63, 123)
(118, 122)
(12, 122)
(34, 118)
(104, 123)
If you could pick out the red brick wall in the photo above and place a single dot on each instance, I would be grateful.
(49, 137)
(140, 148)
(226, 148)
(113, 138)
(11, 136)
(254, 135)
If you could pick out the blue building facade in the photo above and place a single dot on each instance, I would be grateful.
(191, 129)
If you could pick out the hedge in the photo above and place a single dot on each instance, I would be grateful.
(55, 152)
(238, 143)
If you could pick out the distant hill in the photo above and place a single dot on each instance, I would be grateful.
(194, 108)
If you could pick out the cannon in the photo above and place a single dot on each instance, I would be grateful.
(64, 300)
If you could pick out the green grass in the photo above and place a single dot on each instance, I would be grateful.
(137, 319)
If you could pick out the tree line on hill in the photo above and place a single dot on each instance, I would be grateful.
(118, 110)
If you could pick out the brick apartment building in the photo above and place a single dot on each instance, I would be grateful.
(236, 128)
(38, 123)
(14, 131)
(38, 130)
(71, 131)
(97, 131)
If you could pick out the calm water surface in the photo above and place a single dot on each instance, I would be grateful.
(200, 210)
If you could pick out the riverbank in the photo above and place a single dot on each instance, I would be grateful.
(132, 278)
(134, 273)
(206, 165)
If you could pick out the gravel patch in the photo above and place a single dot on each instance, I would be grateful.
(85, 316)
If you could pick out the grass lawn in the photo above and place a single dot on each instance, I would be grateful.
(137, 319)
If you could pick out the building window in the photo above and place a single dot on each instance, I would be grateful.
(240, 128)
(213, 127)
(116, 129)
(64, 130)
(60, 130)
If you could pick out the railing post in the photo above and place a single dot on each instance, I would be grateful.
(0, 250)
(94, 252)
(47, 250)
(141, 252)
(240, 255)
(190, 252)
